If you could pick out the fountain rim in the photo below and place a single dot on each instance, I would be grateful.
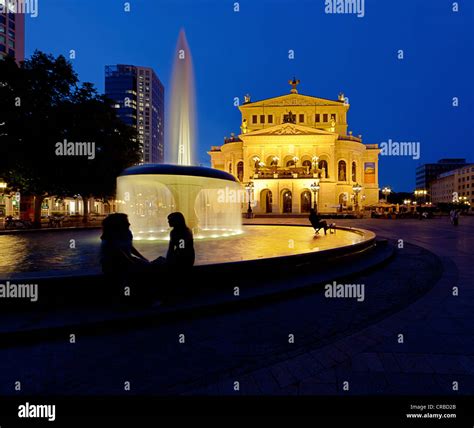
(170, 169)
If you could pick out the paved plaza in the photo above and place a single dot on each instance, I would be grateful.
(411, 335)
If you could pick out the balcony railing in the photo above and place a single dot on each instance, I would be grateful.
(267, 173)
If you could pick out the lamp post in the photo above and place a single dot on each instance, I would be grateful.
(357, 188)
(249, 187)
(315, 188)
(386, 192)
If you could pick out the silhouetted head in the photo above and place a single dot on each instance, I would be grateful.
(177, 221)
(115, 226)
(312, 211)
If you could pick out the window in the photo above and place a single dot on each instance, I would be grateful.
(11, 25)
(270, 118)
(333, 116)
(2, 29)
(325, 118)
(254, 118)
(317, 118)
(3, 48)
(262, 118)
(3, 39)
(240, 171)
(341, 171)
(301, 118)
(11, 44)
(11, 34)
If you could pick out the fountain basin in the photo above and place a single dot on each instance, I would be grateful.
(210, 200)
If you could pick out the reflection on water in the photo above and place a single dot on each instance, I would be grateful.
(77, 250)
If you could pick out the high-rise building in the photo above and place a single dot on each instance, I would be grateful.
(428, 172)
(139, 99)
(12, 31)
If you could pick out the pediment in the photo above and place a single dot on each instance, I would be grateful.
(288, 129)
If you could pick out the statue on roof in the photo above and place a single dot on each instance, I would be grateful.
(246, 98)
(244, 127)
(294, 83)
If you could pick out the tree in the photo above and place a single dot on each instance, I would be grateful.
(42, 104)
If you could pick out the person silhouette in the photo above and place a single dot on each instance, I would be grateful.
(122, 264)
(180, 255)
(316, 221)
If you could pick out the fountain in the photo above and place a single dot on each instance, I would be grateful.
(210, 200)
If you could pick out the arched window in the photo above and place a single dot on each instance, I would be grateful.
(343, 200)
(286, 201)
(305, 201)
(323, 166)
(307, 164)
(291, 162)
(240, 171)
(341, 168)
(354, 172)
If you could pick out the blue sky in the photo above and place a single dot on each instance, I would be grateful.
(243, 52)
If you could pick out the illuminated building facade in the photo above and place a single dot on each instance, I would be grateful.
(296, 153)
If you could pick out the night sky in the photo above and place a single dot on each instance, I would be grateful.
(247, 52)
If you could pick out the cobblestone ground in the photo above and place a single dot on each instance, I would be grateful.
(335, 340)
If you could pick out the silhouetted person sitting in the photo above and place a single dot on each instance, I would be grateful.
(180, 256)
(122, 263)
(316, 221)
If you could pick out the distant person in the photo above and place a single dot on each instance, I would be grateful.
(454, 215)
(180, 256)
(316, 221)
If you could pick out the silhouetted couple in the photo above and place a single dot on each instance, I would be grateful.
(316, 221)
(123, 263)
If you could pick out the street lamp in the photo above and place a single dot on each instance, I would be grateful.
(249, 187)
(315, 188)
(295, 159)
(357, 188)
(386, 192)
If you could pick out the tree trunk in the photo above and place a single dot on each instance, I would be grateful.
(85, 203)
(38, 201)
